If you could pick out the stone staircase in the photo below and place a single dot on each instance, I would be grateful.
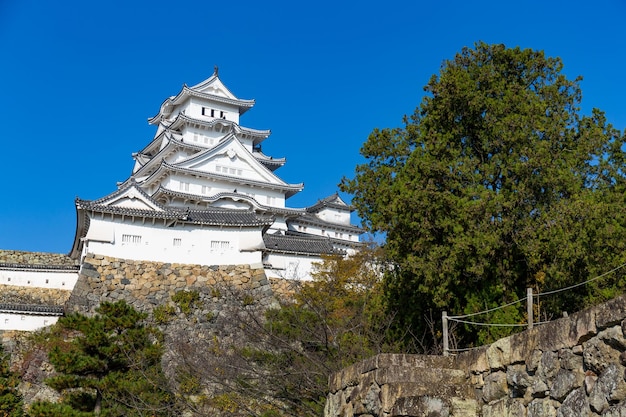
(395, 385)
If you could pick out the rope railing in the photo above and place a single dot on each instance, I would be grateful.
(529, 308)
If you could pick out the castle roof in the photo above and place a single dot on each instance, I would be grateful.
(32, 309)
(162, 191)
(211, 89)
(182, 119)
(316, 221)
(309, 245)
(332, 201)
(211, 216)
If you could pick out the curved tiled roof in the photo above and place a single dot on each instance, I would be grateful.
(330, 201)
(212, 217)
(228, 218)
(269, 162)
(215, 197)
(243, 105)
(290, 189)
(183, 118)
(32, 309)
(40, 267)
(298, 244)
(314, 220)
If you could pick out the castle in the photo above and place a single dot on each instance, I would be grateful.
(202, 192)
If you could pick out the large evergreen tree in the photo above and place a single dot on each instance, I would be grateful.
(495, 183)
(108, 364)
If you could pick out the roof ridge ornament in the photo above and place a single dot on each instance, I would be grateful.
(215, 70)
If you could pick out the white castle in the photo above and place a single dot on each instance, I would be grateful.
(203, 192)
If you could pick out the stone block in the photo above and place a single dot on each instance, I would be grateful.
(499, 353)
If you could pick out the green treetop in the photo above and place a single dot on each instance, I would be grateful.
(495, 183)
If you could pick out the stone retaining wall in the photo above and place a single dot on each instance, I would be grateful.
(35, 258)
(571, 367)
(11, 294)
(146, 285)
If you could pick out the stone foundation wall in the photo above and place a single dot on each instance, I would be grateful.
(571, 367)
(146, 285)
(35, 258)
(11, 294)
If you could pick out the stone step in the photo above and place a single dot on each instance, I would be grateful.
(397, 374)
(397, 390)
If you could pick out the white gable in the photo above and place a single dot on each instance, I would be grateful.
(214, 86)
(230, 158)
(131, 198)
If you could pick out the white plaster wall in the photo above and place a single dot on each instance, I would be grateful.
(39, 278)
(193, 109)
(334, 215)
(25, 322)
(288, 266)
(157, 243)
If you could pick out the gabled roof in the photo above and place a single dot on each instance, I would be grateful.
(311, 219)
(182, 119)
(332, 201)
(129, 196)
(290, 212)
(211, 89)
(269, 162)
(211, 216)
(298, 244)
(195, 165)
(154, 147)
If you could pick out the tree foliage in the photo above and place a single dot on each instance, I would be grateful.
(108, 365)
(10, 398)
(281, 364)
(495, 183)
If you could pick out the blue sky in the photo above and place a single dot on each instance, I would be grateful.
(79, 79)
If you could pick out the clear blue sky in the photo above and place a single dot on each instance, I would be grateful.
(78, 80)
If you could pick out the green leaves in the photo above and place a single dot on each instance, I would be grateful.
(108, 364)
(496, 177)
(10, 398)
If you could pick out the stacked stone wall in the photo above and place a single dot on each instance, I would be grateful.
(11, 294)
(147, 285)
(35, 258)
(571, 367)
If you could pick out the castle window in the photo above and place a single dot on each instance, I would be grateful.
(220, 245)
(177, 241)
(132, 239)
(183, 186)
(205, 189)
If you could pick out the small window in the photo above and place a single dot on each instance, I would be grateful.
(183, 186)
(220, 244)
(22, 318)
(205, 189)
(132, 239)
(177, 242)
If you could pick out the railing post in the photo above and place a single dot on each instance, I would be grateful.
(529, 306)
(444, 321)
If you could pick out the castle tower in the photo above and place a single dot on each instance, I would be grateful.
(202, 192)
